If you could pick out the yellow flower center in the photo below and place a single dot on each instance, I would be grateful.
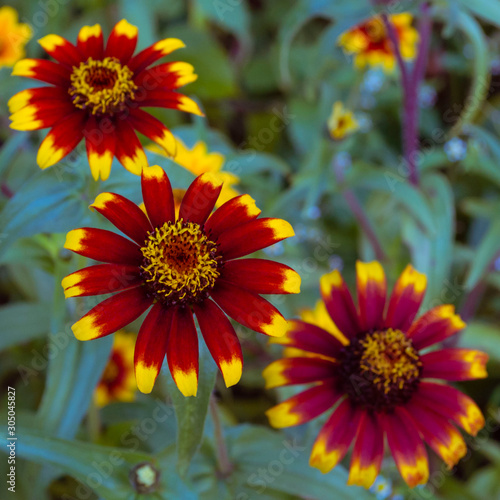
(102, 87)
(180, 263)
(380, 370)
(111, 372)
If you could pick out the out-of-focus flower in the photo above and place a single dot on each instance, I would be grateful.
(427, 96)
(180, 266)
(97, 93)
(341, 122)
(382, 488)
(199, 161)
(371, 46)
(373, 81)
(371, 364)
(118, 381)
(455, 149)
(13, 37)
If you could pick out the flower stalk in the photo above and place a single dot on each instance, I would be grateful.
(223, 461)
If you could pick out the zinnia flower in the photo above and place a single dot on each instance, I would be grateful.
(180, 266)
(198, 160)
(96, 93)
(118, 381)
(371, 45)
(342, 122)
(13, 36)
(375, 369)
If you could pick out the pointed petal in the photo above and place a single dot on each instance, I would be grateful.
(160, 80)
(249, 309)
(45, 71)
(90, 42)
(154, 52)
(100, 148)
(128, 148)
(125, 215)
(61, 50)
(372, 289)
(182, 351)
(454, 364)
(406, 298)
(45, 95)
(40, 115)
(122, 41)
(200, 198)
(151, 346)
(154, 129)
(101, 279)
(99, 244)
(158, 196)
(112, 314)
(221, 340)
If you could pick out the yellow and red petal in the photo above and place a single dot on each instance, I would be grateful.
(231, 214)
(45, 71)
(249, 309)
(122, 41)
(304, 406)
(435, 326)
(128, 148)
(158, 196)
(339, 303)
(124, 215)
(335, 437)
(200, 198)
(294, 371)
(454, 364)
(451, 404)
(367, 453)
(151, 346)
(41, 114)
(61, 50)
(221, 340)
(406, 446)
(100, 148)
(160, 80)
(90, 42)
(310, 338)
(39, 96)
(101, 279)
(182, 351)
(252, 236)
(262, 276)
(112, 314)
(372, 288)
(154, 129)
(61, 140)
(99, 244)
(406, 299)
(154, 52)
(439, 434)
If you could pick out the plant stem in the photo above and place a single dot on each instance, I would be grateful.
(224, 464)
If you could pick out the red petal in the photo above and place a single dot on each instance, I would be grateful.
(61, 50)
(182, 351)
(252, 236)
(372, 288)
(262, 276)
(40, 95)
(339, 303)
(100, 145)
(125, 215)
(154, 52)
(405, 300)
(221, 340)
(406, 446)
(435, 326)
(249, 309)
(42, 114)
(335, 437)
(112, 314)
(234, 212)
(158, 196)
(45, 71)
(455, 364)
(304, 406)
(100, 279)
(160, 80)
(368, 452)
(293, 371)
(122, 41)
(151, 346)
(128, 148)
(90, 42)
(199, 200)
(99, 244)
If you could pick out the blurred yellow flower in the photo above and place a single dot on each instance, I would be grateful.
(371, 46)
(13, 36)
(198, 161)
(341, 122)
(118, 380)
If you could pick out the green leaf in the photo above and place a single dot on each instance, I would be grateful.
(488, 10)
(22, 322)
(191, 411)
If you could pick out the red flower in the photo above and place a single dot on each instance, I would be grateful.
(96, 93)
(369, 365)
(181, 265)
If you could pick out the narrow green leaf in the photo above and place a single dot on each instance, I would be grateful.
(488, 10)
